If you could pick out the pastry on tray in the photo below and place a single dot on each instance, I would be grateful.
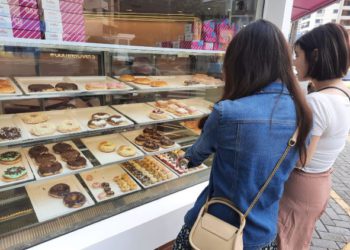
(127, 78)
(140, 140)
(49, 168)
(41, 88)
(59, 190)
(6, 87)
(97, 123)
(107, 146)
(74, 200)
(96, 86)
(37, 150)
(77, 163)
(10, 157)
(126, 151)
(115, 85)
(34, 118)
(68, 126)
(45, 158)
(158, 114)
(115, 120)
(100, 115)
(14, 174)
(10, 133)
(42, 129)
(125, 183)
(61, 147)
(150, 146)
(159, 83)
(70, 155)
(142, 81)
(64, 86)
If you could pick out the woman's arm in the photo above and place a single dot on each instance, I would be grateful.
(310, 150)
(206, 144)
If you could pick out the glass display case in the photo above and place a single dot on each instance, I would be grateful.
(92, 124)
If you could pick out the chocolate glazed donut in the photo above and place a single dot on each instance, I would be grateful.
(49, 168)
(77, 163)
(74, 200)
(59, 190)
(61, 147)
(62, 86)
(37, 150)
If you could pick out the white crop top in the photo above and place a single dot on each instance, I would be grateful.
(331, 115)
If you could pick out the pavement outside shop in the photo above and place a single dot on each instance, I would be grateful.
(333, 229)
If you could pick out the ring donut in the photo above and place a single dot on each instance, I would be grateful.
(74, 199)
(68, 126)
(41, 129)
(126, 151)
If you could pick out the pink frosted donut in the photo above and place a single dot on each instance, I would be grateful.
(115, 85)
(96, 185)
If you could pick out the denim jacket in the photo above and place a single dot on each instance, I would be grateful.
(247, 136)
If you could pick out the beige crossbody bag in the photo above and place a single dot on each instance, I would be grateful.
(210, 232)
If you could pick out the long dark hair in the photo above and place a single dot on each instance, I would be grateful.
(257, 56)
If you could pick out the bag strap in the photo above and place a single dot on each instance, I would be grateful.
(291, 143)
(333, 87)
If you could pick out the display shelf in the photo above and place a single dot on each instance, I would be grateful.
(88, 133)
(30, 235)
(100, 47)
(97, 165)
(131, 90)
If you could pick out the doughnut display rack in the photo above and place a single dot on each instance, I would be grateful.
(139, 113)
(139, 176)
(65, 169)
(11, 121)
(108, 174)
(26, 82)
(132, 180)
(172, 83)
(131, 135)
(84, 115)
(22, 163)
(47, 207)
(55, 119)
(170, 163)
(99, 85)
(17, 92)
(92, 143)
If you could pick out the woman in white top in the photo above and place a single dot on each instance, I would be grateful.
(322, 56)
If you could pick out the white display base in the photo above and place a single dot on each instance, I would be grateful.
(145, 227)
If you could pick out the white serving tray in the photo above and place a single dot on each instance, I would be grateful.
(190, 170)
(18, 92)
(24, 82)
(199, 114)
(47, 207)
(23, 163)
(106, 158)
(56, 117)
(106, 174)
(202, 105)
(173, 82)
(139, 112)
(12, 121)
(131, 135)
(65, 169)
(173, 175)
(83, 115)
(82, 80)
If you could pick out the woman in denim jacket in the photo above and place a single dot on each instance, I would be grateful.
(248, 131)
